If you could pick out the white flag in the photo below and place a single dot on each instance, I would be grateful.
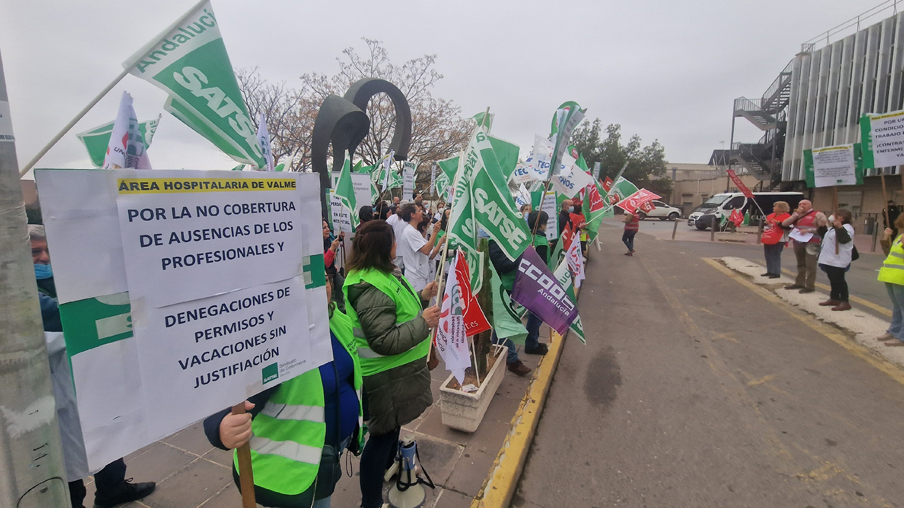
(576, 260)
(387, 166)
(263, 138)
(451, 336)
(126, 148)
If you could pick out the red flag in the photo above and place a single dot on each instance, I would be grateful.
(737, 217)
(647, 207)
(475, 321)
(607, 184)
(566, 237)
(631, 203)
(741, 187)
(596, 200)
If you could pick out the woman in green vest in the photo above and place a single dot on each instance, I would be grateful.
(537, 221)
(298, 430)
(392, 336)
(892, 274)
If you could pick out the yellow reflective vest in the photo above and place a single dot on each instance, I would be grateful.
(892, 270)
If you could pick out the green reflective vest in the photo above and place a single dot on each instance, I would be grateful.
(892, 270)
(408, 307)
(289, 432)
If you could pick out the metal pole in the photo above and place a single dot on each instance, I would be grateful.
(674, 229)
(712, 231)
(875, 236)
(31, 455)
(730, 147)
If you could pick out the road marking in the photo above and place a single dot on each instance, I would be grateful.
(829, 332)
(856, 299)
(764, 379)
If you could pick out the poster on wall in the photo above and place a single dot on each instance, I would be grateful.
(882, 139)
(833, 165)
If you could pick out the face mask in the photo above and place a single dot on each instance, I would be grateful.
(525, 215)
(43, 272)
(440, 209)
(574, 209)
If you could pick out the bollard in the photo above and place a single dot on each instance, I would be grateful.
(875, 236)
(674, 229)
(712, 231)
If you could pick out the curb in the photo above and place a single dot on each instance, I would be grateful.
(499, 486)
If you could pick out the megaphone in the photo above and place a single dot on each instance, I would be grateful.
(407, 491)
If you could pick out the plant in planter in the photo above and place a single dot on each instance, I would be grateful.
(464, 410)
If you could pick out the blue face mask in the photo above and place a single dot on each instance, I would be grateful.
(43, 272)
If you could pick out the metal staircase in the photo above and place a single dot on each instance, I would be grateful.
(764, 158)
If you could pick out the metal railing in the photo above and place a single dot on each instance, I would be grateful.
(825, 37)
(745, 104)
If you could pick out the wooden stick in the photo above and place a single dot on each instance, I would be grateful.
(474, 356)
(885, 197)
(246, 475)
(834, 211)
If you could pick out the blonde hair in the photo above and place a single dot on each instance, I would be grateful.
(782, 206)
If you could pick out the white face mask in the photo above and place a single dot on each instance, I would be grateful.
(525, 215)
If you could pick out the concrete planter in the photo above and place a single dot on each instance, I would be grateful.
(464, 411)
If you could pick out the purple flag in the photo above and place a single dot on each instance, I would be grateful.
(537, 289)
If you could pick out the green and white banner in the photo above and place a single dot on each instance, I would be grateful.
(833, 165)
(507, 313)
(345, 191)
(97, 139)
(566, 118)
(189, 61)
(563, 275)
(882, 139)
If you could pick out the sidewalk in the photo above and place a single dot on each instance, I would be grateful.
(192, 474)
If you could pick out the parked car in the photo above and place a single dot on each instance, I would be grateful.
(661, 212)
(721, 205)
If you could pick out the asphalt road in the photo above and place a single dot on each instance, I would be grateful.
(694, 391)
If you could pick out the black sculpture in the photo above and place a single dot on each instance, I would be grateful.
(342, 122)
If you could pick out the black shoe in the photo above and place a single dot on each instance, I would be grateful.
(767, 274)
(125, 493)
(806, 290)
(519, 368)
(794, 286)
(774, 276)
(541, 350)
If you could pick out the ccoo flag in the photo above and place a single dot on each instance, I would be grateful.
(188, 60)
(537, 288)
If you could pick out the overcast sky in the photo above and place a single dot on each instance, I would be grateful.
(663, 69)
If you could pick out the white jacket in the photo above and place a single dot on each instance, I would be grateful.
(827, 255)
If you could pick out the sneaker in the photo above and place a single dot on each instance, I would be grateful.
(794, 286)
(842, 306)
(805, 290)
(125, 493)
(541, 350)
(519, 368)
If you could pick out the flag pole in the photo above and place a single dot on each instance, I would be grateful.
(128, 67)
(474, 356)
(246, 476)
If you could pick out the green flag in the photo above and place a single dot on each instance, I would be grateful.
(240, 167)
(442, 185)
(449, 167)
(563, 275)
(188, 60)
(97, 139)
(489, 121)
(345, 189)
(506, 313)
(507, 155)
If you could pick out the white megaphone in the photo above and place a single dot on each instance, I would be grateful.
(407, 492)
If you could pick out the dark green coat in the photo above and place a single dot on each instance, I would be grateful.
(397, 396)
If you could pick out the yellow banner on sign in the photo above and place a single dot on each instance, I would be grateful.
(183, 185)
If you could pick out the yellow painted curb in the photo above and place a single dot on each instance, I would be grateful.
(499, 486)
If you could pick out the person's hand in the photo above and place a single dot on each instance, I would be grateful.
(430, 315)
(889, 231)
(837, 223)
(335, 245)
(342, 235)
(235, 430)
(429, 291)
(443, 239)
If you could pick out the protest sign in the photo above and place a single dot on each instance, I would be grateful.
(408, 170)
(548, 205)
(882, 139)
(832, 165)
(340, 216)
(116, 345)
(537, 289)
(596, 171)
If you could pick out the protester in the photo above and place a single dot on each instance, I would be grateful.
(418, 198)
(805, 241)
(835, 258)
(382, 210)
(395, 201)
(774, 239)
(111, 486)
(414, 248)
(440, 208)
(318, 410)
(892, 274)
(632, 226)
(892, 212)
(331, 246)
(365, 213)
(392, 336)
(537, 222)
(526, 209)
(565, 215)
(578, 223)
(398, 227)
(507, 270)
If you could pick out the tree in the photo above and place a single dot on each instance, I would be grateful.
(438, 131)
(646, 164)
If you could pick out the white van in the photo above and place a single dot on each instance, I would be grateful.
(721, 205)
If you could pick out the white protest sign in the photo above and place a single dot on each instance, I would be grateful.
(548, 205)
(834, 165)
(340, 214)
(109, 361)
(883, 139)
(408, 170)
(362, 185)
(185, 234)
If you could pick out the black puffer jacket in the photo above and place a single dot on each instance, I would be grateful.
(396, 396)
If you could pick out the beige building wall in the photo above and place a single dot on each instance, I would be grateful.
(864, 201)
(692, 184)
